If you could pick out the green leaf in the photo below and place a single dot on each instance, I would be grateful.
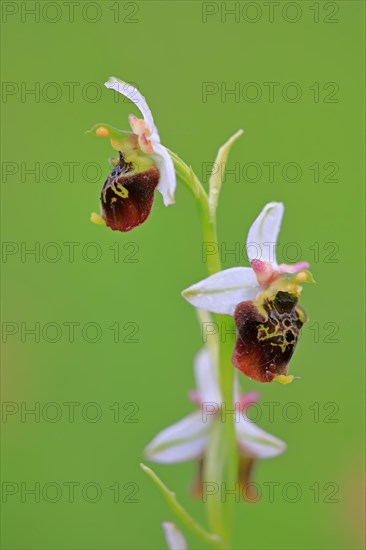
(213, 540)
(217, 174)
(188, 177)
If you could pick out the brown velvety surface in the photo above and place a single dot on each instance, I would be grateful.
(266, 342)
(125, 213)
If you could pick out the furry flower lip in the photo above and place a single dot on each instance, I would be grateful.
(143, 165)
(188, 438)
(267, 335)
(127, 196)
(263, 299)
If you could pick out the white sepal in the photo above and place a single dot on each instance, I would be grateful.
(137, 98)
(167, 181)
(255, 442)
(222, 292)
(263, 234)
(185, 440)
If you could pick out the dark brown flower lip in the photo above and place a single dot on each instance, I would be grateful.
(127, 196)
(245, 474)
(245, 489)
(267, 336)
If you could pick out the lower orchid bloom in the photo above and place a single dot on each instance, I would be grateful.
(143, 165)
(263, 299)
(188, 439)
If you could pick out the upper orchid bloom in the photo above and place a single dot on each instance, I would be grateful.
(188, 439)
(143, 165)
(263, 300)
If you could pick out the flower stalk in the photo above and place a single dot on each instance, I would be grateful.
(221, 462)
(208, 223)
(209, 235)
(230, 466)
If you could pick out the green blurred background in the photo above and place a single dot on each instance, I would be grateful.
(170, 50)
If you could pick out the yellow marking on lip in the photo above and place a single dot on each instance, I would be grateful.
(117, 190)
(105, 193)
(120, 190)
(278, 331)
(283, 346)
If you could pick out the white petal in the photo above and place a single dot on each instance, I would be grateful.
(167, 181)
(255, 442)
(223, 291)
(207, 377)
(134, 95)
(263, 234)
(184, 440)
(173, 537)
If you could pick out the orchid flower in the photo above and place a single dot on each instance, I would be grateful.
(188, 438)
(263, 300)
(142, 166)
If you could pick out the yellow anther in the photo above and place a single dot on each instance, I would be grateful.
(302, 277)
(282, 379)
(95, 218)
(102, 131)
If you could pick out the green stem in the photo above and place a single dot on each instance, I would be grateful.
(208, 225)
(211, 539)
(221, 459)
(221, 462)
(209, 234)
(226, 377)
